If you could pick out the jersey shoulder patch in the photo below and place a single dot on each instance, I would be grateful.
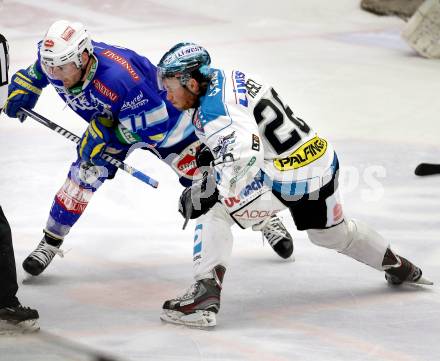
(213, 103)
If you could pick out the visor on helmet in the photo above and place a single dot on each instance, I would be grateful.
(60, 72)
(163, 74)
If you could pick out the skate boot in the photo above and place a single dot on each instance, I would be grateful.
(198, 306)
(18, 319)
(40, 258)
(399, 270)
(277, 236)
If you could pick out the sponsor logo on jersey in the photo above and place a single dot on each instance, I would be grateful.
(105, 90)
(253, 87)
(255, 142)
(185, 164)
(255, 213)
(239, 84)
(122, 61)
(73, 197)
(49, 43)
(125, 136)
(225, 147)
(249, 190)
(67, 34)
(307, 153)
(135, 103)
(241, 172)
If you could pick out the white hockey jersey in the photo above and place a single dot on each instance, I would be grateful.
(255, 138)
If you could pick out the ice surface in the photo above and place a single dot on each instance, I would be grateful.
(346, 72)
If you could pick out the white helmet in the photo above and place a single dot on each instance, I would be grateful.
(64, 43)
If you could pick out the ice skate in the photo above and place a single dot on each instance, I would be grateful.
(18, 319)
(277, 236)
(40, 258)
(199, 305)
(403, 271)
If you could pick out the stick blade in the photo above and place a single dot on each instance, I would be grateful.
(424, 169)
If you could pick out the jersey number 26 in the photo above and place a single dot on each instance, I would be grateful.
(282, 114)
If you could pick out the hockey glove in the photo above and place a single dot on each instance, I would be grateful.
(94, 141)
(198, 199)
(22, 93)
(204, 156)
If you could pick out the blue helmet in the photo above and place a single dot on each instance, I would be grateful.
(185, 60)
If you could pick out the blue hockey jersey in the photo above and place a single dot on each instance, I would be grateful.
(122, 85)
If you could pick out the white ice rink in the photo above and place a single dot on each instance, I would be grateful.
(349, 75)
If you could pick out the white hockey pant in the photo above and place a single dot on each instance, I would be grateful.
(354, 239)
(212, 241)
(213, 236)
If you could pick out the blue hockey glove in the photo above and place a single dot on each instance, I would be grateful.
(94, 141)
(21, 93)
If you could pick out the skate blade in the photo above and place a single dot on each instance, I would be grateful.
(28, 278)
(420, 281)
(198, 319)
(28, 326)
(423, 281)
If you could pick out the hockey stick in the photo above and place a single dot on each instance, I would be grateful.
(74, 138)
(427, 169)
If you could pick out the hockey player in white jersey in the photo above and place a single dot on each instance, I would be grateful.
(264, 159)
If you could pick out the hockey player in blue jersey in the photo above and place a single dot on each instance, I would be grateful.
(115, 90)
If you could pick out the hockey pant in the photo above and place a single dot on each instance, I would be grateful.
(213, 236)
